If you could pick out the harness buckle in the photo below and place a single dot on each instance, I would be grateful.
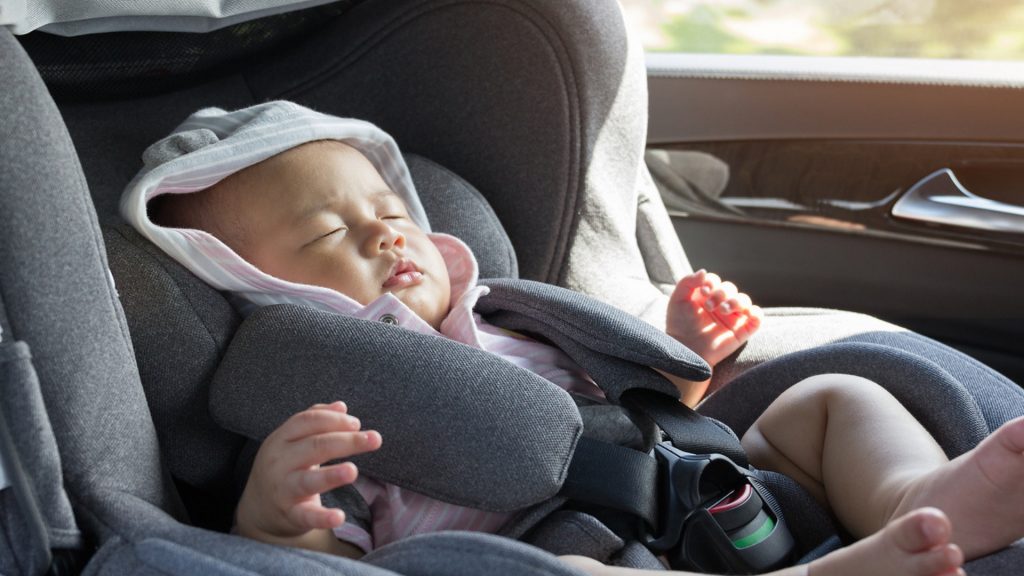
(714, 517)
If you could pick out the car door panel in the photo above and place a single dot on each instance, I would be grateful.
(816, 160)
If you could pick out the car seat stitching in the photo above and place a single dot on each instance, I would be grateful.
(569, 217)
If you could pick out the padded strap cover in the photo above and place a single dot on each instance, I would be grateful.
(460, 424)
(614, 347)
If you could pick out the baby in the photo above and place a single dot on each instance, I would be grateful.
(329, 217)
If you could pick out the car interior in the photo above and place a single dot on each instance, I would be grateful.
(539, 133)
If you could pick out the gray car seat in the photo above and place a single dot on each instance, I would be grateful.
(573, 144)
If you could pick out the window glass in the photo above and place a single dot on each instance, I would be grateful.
(957, 29)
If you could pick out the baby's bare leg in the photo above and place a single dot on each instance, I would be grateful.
(848, 442)
(855, 448)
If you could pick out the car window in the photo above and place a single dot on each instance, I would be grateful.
(822, 181)
(955, 29)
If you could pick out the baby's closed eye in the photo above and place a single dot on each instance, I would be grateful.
(324, 234)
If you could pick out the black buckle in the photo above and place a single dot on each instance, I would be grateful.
(714, 518)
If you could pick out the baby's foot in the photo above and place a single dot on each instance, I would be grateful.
(916, 544)
(711, 317)
(981, 491)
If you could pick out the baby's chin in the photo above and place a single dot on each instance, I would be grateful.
(432, 308)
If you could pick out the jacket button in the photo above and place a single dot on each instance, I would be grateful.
(389, 319)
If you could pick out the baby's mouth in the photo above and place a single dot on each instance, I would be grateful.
(404, 273)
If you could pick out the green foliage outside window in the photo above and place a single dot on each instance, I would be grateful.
(959, 29)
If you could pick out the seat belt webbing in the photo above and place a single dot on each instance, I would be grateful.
(687, 429)
(625, 479)
(615, 477)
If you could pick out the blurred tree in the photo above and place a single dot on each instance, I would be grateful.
(977, 29)
(955, 29)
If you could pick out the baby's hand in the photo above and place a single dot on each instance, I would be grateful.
(281, 500)
(711, 317)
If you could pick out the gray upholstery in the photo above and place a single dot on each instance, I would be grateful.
(454, 207)
(466, 554)
(581, 326)
(444, 407)
(557, 158)
(180, 328)
(441, 404)
(787, 330)
(29, 524)
(58, 300)
(940, 402)
(575, 532)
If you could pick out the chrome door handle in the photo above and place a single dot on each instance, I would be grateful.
(940, 198)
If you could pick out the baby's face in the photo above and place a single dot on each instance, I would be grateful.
(321, 214)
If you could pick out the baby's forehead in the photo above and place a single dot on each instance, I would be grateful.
(310, 206)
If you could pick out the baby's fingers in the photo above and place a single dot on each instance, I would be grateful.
(312, 481)
(320, 448)
(720, 295)
(752, 320)
(313, 516)
(738, 304)
(688, 285)
(319, 419)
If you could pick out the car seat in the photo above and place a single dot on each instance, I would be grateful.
(538, 104)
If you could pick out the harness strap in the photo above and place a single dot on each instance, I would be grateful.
(613, 477)
(687, 429)
(626, 480)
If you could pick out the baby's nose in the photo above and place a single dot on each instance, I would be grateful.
(390, 238)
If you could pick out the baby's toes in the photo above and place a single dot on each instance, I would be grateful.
(923, 535)
(919, 530)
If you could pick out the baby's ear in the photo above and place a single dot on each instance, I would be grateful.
(173, 210)
(157, 211)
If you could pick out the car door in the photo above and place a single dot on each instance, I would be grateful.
(890, 186)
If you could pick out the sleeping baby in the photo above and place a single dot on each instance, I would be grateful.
(277, 203)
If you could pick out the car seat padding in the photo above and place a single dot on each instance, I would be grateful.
(461, 425)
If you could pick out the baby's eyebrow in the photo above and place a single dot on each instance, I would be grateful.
(375, 198)
(384, 193)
